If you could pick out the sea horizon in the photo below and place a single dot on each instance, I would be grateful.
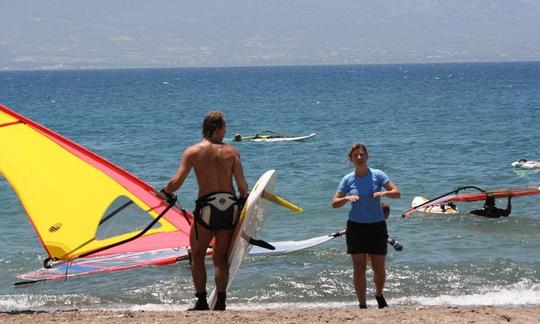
(142, 67)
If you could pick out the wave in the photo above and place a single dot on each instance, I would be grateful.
(523, 294)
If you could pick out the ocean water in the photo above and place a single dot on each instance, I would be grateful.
(431, 128)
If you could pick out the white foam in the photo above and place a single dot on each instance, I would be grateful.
(520, 294)
(523, 293)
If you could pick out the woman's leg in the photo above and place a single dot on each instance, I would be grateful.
(379, 277)
(359, 277)
(379, 272)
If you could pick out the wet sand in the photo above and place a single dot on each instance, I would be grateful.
(288, 315)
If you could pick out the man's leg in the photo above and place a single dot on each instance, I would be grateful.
(221, 265)
(198, 269)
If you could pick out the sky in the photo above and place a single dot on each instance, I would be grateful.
(76, 34)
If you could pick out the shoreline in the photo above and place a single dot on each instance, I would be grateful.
(440, 314)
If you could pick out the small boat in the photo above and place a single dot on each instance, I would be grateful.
(270, 136)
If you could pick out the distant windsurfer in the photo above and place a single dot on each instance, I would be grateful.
(386, 212)
(489, 210)
(217, 208)
(367, 234)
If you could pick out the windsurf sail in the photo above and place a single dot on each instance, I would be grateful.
(455, 196)
(79, 203)
(285, 247)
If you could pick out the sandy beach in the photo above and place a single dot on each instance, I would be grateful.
(297, 315)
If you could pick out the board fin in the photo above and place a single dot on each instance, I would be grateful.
(282, 202)
(262, 244)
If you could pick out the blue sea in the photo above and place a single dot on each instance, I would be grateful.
(430, 127)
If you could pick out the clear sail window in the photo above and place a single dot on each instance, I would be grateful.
(121, 217)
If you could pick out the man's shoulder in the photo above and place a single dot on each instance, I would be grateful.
(193, 147)
(205, 147)
(229, 148)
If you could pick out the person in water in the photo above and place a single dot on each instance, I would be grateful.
(386, 210)
(237, 138)
(489, 210)
(217, 207)
(366, 226)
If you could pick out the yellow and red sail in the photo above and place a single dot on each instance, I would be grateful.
(77, 201)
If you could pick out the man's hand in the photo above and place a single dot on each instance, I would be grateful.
(242, 201)
(169, 198)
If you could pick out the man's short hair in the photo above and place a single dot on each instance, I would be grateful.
(213, 121)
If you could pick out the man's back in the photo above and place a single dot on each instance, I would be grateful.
(214, 166)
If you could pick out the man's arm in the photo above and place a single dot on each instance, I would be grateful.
(238, 173)
(183, 170)
(509, 205)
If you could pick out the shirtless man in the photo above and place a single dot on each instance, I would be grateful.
(217, 207)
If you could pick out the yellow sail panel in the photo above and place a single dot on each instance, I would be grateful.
(6, 119)
(65, 197)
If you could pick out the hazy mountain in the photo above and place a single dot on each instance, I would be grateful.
(162, 33)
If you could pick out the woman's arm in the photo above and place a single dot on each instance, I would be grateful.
(341, 199)
(392, 191)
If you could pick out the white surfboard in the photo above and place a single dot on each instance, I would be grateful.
(433, 209)
(250, 223)
(283, 139)
(526, 164)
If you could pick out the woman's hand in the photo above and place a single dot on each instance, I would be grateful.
(352, 198)
(341, 199)
(378, 194)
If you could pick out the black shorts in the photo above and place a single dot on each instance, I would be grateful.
(367, 238)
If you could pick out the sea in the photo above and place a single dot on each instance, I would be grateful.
(430, 127)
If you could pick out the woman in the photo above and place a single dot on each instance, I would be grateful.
(366, 227)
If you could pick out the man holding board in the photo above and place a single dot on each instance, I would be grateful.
(217, 207)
